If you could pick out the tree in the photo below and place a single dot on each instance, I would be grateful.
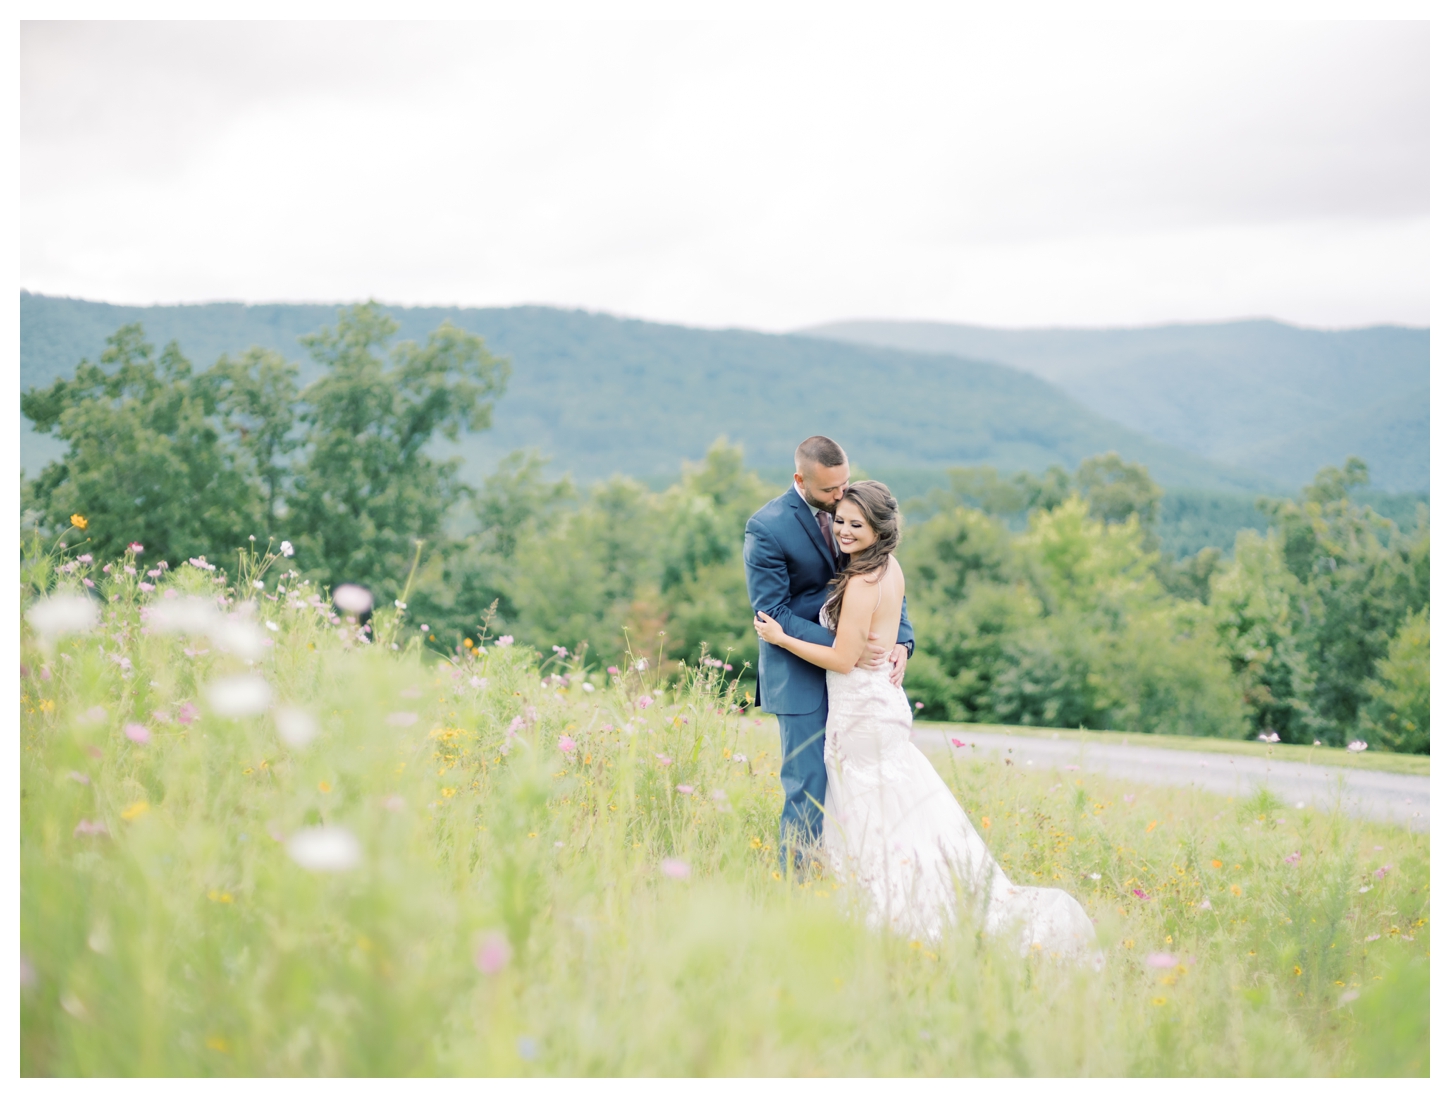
(366, 488)
(1266, 620)
(256, 396)
(1360, 575)
(1397, 715)
(145, 459)
(1116, 489)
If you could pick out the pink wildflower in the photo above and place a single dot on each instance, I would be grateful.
(567, 744)
(1381, 871)
(138, 733)
(612, 670)
(1138, 892)
(685, 789)
(88, 827)
(147, 587)
(1292, 859)
(1160, 960)
(729, 667)
(85, 558)
(645, 702)
(187, 713)
(958, 743)
(136, 547)
(504, 641)
(77, 776)
(88, 581)
(664, 759)
(673, 867)
(492, 954)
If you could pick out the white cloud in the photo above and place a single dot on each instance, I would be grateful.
(761, 175)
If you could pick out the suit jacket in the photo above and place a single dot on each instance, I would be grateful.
(787, 571)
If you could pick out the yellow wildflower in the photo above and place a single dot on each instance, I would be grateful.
(140, 808)
(79, 522)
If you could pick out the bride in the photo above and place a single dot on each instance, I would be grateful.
(891, 824)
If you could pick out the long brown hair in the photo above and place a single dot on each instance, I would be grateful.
(883, 515)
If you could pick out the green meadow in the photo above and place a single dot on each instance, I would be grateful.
(257, 840)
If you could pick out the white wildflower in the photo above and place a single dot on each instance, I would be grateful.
(59, 615)
(352, 599)
(325, 849)
(239, 696)
(296, 727)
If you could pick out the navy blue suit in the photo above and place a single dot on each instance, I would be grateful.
(788, 567)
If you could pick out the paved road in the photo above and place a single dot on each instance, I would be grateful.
(1398, 798)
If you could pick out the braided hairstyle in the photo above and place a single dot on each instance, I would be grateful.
(883, 515)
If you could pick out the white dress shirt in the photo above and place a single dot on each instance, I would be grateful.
(836, 545)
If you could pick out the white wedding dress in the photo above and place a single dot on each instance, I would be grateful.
(893, 828)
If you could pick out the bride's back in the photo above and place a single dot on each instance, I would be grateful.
(890, 589)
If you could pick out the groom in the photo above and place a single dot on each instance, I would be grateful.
(790, 557)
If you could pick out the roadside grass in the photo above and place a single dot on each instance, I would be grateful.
(1283, 752)
(565, 873)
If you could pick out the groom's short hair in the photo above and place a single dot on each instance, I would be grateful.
(819, 450)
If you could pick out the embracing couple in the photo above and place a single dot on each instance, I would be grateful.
(830, 608)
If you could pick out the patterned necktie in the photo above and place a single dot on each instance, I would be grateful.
(824, 520)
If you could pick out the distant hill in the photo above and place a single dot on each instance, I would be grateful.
(600, 394)
(1280, 400)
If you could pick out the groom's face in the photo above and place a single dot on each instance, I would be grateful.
(823, 486)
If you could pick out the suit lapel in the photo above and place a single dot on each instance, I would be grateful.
(807, 520)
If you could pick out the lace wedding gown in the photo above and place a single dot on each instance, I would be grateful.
(894, 829)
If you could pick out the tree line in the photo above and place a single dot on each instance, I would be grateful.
(1037, 599)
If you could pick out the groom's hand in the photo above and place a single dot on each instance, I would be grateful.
(874, 656)
(898, 664)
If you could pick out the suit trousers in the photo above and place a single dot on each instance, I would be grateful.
(803, 778)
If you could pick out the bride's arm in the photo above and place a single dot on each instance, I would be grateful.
(851, 632)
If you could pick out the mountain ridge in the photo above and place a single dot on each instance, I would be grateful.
(605, 394)
(1235, 391)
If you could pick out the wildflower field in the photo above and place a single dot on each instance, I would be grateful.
(258, 839)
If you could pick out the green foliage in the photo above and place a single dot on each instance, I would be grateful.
(1038, 599)
(366, 489)
(144, 461)
(1398, 713)
(1264, 621)
(1361, 575)
(1065, 625)
(166, 928)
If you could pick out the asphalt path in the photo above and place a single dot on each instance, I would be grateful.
(1375, 794)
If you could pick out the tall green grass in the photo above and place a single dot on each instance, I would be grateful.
(614, 908)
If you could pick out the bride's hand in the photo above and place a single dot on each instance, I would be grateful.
(767, 628)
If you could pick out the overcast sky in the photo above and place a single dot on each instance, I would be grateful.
(768, 176)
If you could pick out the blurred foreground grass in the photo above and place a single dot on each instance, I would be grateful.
(396, 865)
